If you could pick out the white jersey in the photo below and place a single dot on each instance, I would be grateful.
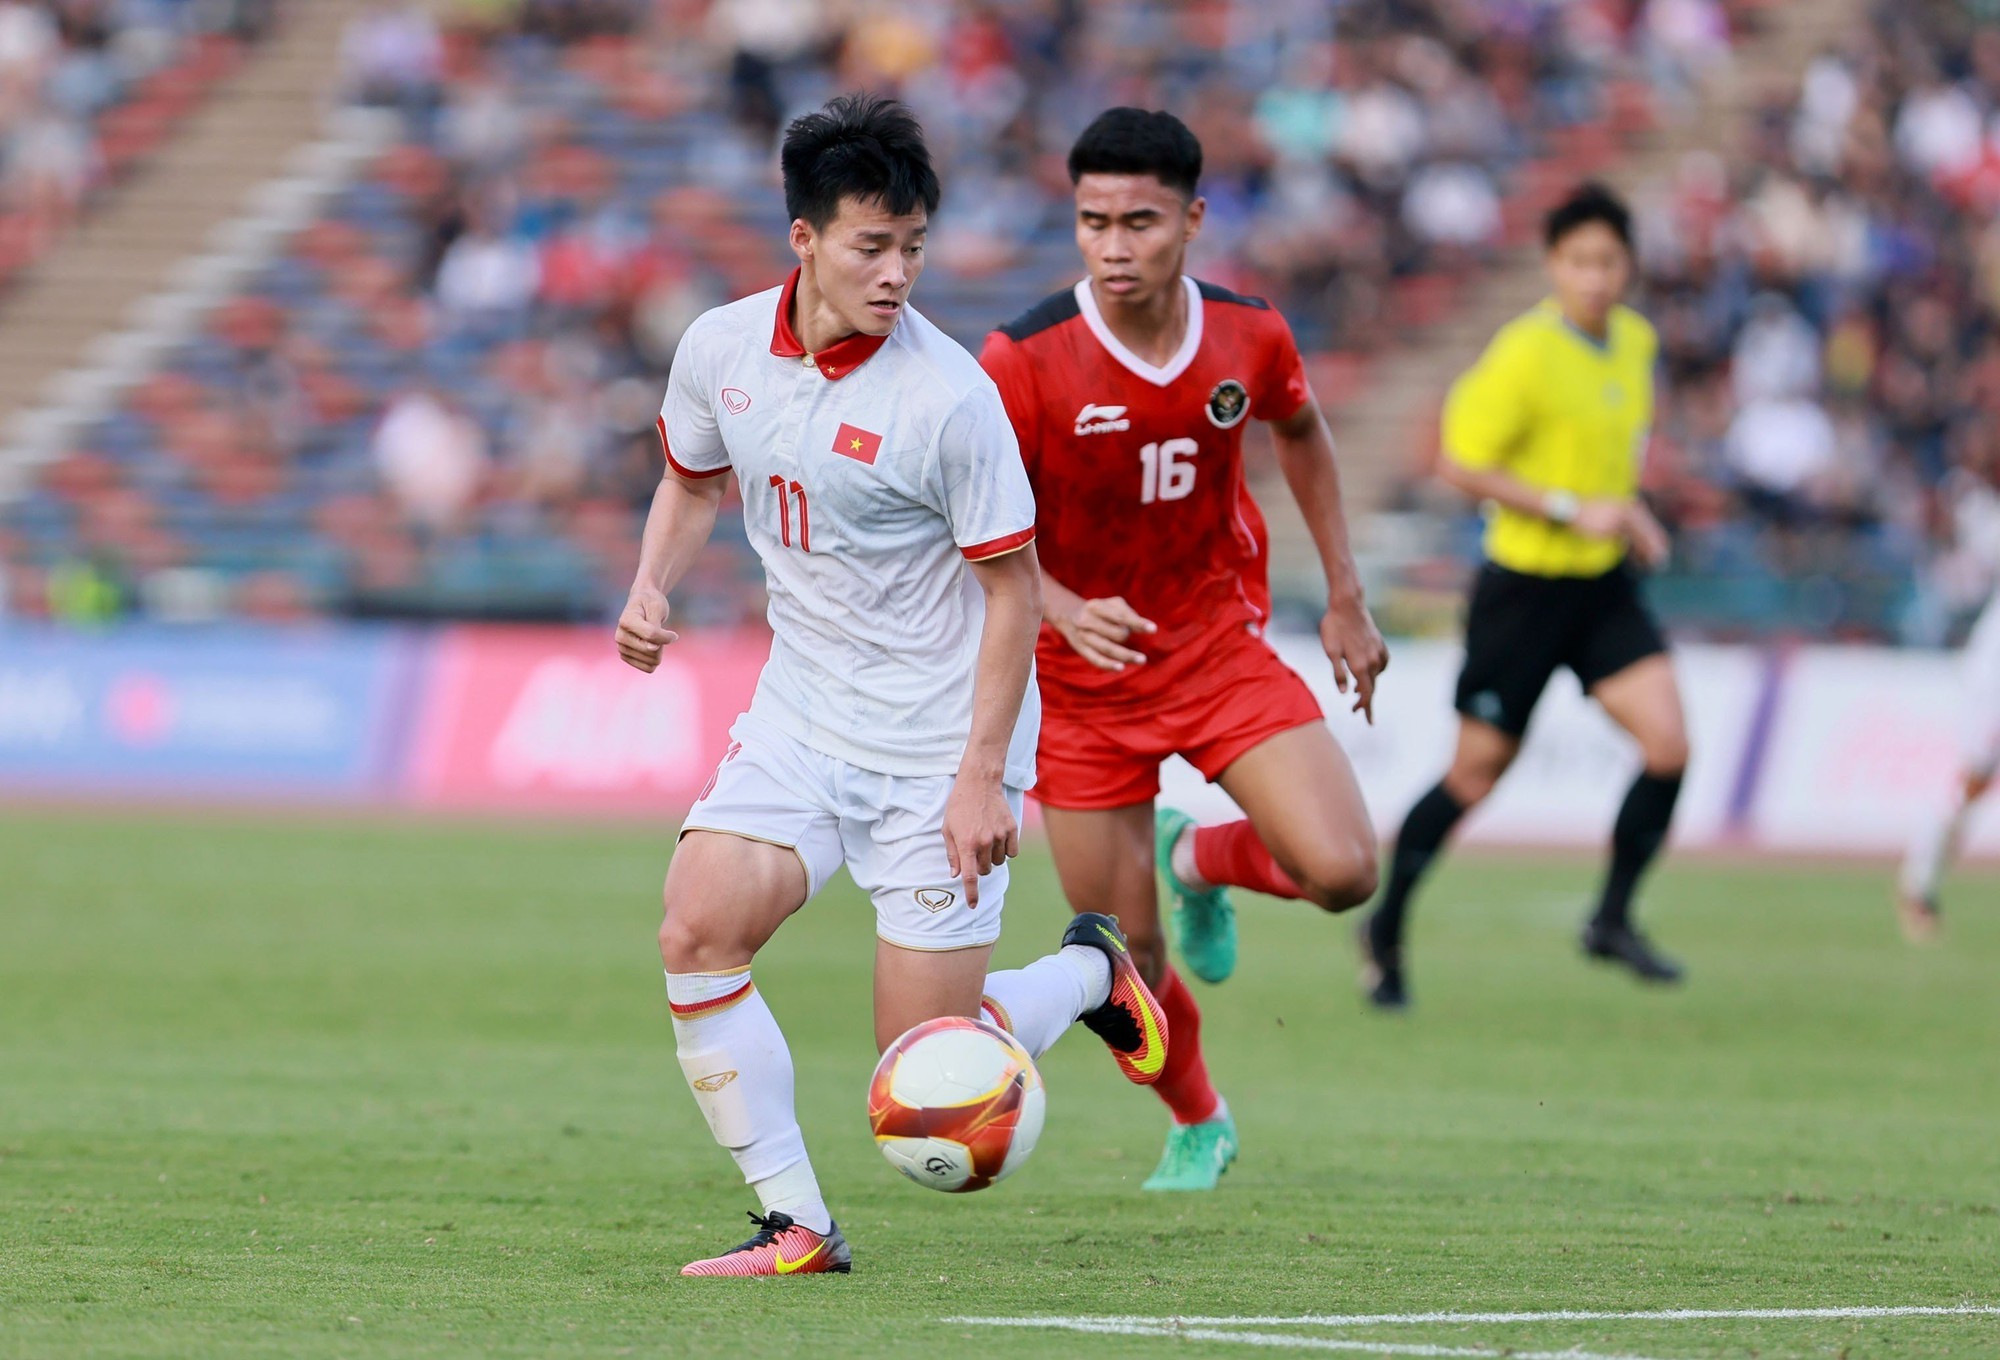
(1976, 524)
(1979, 692)
(871, 473)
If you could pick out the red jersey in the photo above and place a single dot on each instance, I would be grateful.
(1138, 474)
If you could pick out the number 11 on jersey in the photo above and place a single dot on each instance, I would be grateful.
(786, 490)
(1162, 474)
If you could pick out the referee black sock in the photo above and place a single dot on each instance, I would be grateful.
(1635, 840)
(1417, 844)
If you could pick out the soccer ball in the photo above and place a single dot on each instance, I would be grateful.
(956, 1104)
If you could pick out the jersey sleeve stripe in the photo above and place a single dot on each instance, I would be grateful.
(693, 474)
(1051, 311)
(1215, 292)
(998, 547)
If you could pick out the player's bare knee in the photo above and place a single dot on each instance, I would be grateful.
(679, 945)
(1468, 785)
(1666, 757)
(1340, 876)
(691, 945)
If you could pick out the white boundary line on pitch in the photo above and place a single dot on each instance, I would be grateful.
(1172, 1331)
(1231, 1329)
(1447, 1319)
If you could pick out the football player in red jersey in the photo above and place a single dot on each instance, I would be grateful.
(1129, 394)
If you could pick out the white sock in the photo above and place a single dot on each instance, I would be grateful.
(795, 1191)
(1182, 859)
(1037, 1003)
(1934, 847)
(740, 1071)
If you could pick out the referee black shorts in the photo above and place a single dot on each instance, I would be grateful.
(1520, 628)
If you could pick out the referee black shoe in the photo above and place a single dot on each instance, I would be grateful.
(1381, 972)
(1626, 947)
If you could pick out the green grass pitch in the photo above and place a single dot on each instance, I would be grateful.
(292, 1087)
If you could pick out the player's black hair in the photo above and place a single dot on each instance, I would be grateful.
(1586, 203)
(1129, 141)
(861, 146)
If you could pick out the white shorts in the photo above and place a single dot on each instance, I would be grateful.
(887, 829)
(1979, 703)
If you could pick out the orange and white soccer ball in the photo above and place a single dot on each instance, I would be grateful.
(956, 1104)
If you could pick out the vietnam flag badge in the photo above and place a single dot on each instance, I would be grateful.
(857, 443)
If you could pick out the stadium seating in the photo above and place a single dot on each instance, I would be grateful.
(1826, 304)
(87, 90)
(440, 400)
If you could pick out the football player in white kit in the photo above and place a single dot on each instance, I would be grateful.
(893, 729)
(1976, 515)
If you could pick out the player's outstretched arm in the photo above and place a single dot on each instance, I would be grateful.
(680, 520)
(1352, 642)
(979, 827)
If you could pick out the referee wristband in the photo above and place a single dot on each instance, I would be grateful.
(1560, 507)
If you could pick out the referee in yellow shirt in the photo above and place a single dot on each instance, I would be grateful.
(1549, 429)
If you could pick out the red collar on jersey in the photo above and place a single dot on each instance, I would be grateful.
(838, 359)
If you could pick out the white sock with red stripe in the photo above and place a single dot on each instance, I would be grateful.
(1037, 1003)
(740, 1071)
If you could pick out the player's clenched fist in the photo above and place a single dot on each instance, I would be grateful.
(642, 630)
(1097, 630)
(1627, 520)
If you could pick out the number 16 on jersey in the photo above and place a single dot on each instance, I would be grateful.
(1163, 475)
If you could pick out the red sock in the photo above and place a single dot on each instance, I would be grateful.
(1232, 854)
(1184, 1084)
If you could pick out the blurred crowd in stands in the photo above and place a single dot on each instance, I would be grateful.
(88, 88)
(1827, 306)
(440, 400)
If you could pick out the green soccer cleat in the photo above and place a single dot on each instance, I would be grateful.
(1196, 1155)
(1204, 921)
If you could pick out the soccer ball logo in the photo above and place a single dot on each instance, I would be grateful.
(956, 1104)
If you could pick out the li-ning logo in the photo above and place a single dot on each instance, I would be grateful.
(735, 400)
(935, 899)
(715, 1083)
(1094, 419)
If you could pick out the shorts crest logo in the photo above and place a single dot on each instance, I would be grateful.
(715, 1083)
(735, 400)
(1228, 403)
(935, 899)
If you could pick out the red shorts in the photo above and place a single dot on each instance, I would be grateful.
(1104, 755)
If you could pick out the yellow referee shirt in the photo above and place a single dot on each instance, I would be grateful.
(1562, 412)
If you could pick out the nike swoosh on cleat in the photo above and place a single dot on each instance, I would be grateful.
(1153, 1052)
(787, 1267)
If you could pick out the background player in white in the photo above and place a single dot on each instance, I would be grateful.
(1976, 529)
(883, 490)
